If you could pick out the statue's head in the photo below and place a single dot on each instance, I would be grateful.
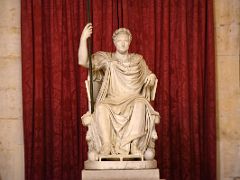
(122, 39)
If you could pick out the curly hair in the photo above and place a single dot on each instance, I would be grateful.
(122, 30)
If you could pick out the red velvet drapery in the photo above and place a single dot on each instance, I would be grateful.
(175, 37)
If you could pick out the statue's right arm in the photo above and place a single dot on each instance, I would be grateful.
(83, 51)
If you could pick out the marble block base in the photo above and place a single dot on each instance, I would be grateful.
(104, 165)
(140, 174)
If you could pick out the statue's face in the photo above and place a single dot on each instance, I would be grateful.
(122, 43)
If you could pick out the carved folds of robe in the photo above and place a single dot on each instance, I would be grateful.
(122, 109)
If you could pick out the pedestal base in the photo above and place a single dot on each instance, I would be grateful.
(104, 165)
(140, 174)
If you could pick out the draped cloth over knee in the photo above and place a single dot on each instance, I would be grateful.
(122, 109)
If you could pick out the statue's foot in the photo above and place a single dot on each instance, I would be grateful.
(106, 149)
(122, 152)
(135, 150)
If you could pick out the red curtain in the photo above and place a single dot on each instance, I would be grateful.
(175, 37)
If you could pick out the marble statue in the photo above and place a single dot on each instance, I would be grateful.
(123, 122)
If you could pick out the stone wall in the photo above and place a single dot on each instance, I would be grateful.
(227, 28)
(11, 127)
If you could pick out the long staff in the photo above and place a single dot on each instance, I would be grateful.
(90, 59)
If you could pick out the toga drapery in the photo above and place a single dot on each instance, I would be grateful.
(122, 92)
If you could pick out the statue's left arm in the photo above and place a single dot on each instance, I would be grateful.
(150, 83)
(150, 86)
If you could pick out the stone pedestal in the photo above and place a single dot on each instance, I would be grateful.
(137, 174)
(114, 165)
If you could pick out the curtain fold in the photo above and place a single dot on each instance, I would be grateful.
(175, 37)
